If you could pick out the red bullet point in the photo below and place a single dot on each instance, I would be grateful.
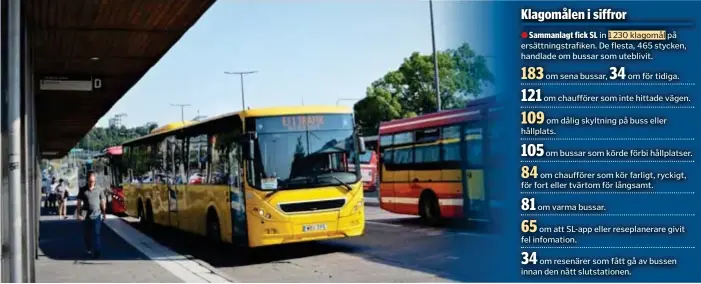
(524, 35)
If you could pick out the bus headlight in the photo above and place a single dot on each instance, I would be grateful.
(358, 206)
(262, 213)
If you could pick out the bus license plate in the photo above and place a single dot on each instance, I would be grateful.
(313, 227)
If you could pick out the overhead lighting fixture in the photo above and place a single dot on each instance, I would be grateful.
(94, 58)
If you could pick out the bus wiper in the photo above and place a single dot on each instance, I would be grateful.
(348, 187)
(287, 185)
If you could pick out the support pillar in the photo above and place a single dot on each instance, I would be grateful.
(14, 93)
(29, 160)
(3, 143)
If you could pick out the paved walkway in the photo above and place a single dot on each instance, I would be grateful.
(127, 256)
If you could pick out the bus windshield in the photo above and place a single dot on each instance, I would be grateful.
(366, 157)
(303, 151)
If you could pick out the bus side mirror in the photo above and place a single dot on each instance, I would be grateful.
(361, 145)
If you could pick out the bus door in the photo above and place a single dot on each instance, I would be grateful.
(473, 167)
(405, 198)
(404, 185)
(237, 198)
(172, 183)
(386, 173)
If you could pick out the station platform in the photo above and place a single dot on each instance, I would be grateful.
(127, 256)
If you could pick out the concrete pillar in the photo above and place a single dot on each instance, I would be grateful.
(14, 116)
(24, 153)
(28, 153)
(3, 142)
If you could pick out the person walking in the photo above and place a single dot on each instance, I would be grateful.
(62, 198)
(52, 196)
(92, 201)
(45, 189)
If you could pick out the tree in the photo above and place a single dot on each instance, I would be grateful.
(100, 138)
(472, 73)
(410, 91)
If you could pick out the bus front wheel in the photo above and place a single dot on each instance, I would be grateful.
(149, 212)
(213, 230)
(140, 212)
(429, 210)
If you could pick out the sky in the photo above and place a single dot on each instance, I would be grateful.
(305, 52)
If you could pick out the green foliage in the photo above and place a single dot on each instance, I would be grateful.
(410, 91)
(100, 138)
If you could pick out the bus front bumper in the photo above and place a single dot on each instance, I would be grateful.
(275, 233)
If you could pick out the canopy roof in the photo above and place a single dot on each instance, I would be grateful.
(116, 42)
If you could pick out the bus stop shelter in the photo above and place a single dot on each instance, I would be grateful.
(63, 65)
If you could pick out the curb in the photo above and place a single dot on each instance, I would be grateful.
(215, 271)
(184, 267)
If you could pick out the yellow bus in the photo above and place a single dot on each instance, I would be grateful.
(256, 177)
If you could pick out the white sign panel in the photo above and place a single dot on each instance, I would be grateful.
(69, 84)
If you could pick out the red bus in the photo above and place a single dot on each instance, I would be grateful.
(433, 165)
(107, 167)
(368, 170)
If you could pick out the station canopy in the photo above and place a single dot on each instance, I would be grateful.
(87, 54)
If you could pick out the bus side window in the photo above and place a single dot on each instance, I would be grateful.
(427, 153)
(386, 140)
(387, 156)
(219, 160)
(403, 156)
(451, 143)
(473, 140)
(180, 152)
(158, 161)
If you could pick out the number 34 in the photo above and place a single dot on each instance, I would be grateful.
(617, 73)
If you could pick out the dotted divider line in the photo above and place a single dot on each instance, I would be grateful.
(608, 247)
(610, 192)
(608, 139)
(608, 107)
(605, 84)
(609, 215)
(604, 161)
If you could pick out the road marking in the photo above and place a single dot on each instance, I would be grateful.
(186, 269)
(428, 231)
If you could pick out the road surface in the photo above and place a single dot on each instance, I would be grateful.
(395, 248)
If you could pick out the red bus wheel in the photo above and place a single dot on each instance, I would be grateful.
(429, 209)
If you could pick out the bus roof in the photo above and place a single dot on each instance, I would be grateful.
(111, 151)
(473, 111)
(114, 150)
(296, 110)
(261, 112)
(171, 126)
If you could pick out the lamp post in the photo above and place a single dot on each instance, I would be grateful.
(182, 110)
(243, 97)
(436, 81)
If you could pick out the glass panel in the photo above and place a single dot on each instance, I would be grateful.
(386, 140)
(403, 138)
(427, 135)
(427, 154)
